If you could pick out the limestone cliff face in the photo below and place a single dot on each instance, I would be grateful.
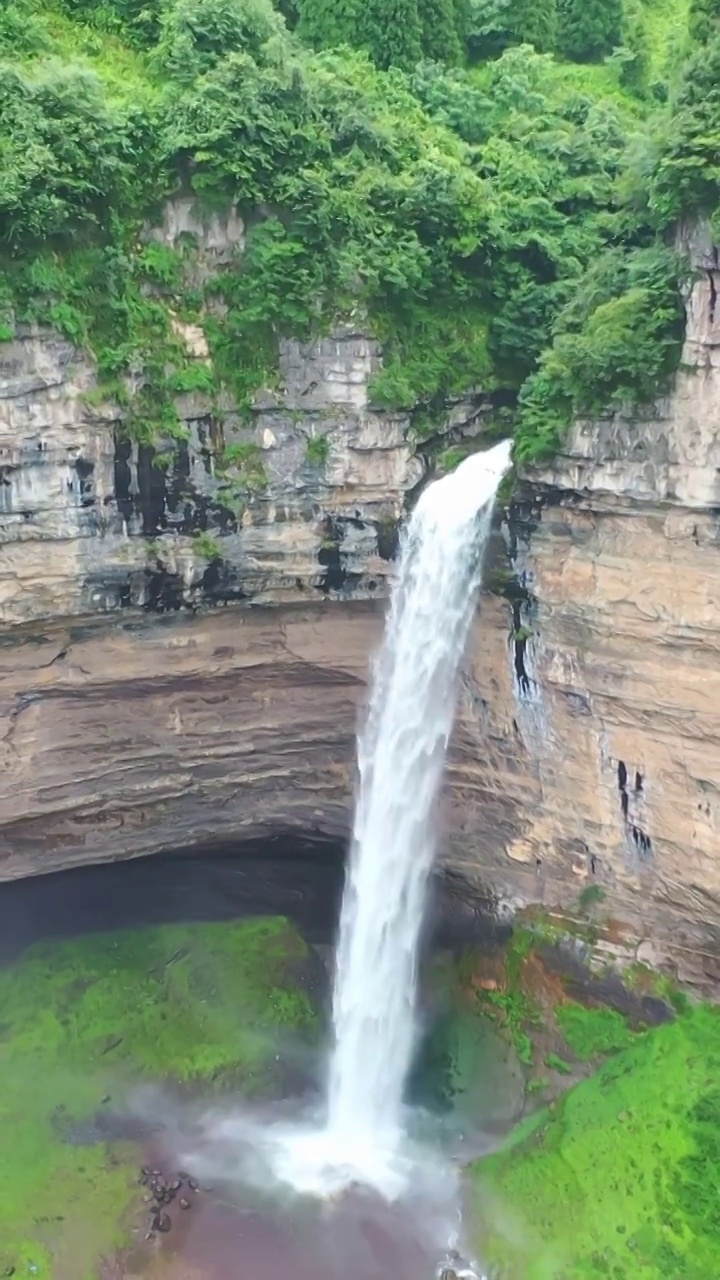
(137, 717)
(607, 731)
(92, 523)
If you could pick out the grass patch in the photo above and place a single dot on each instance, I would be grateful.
(620, 1181)
(85, 1019)
(590, 1032)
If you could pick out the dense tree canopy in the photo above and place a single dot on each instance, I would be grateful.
(504, 221)
(704, 20)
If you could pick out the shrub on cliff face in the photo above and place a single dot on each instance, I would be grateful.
(65, 152)
(687, 175)
(616, 342)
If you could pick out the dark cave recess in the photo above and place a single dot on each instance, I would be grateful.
(297, 875)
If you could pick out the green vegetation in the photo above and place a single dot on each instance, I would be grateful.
(207, 547)
(318, 450)
(241, 467)
(592, 895)
(494, 187)
(556, 1063)
(620, 1180)
(82, 1021)
(517, 1013)
(589, 29)
(590, 1032)
(521, 634)
(395, 33)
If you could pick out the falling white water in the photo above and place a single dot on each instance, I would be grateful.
(401, 755)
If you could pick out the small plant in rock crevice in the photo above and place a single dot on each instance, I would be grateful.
(241, 464)
(207, 547)
(317, 450)
(591, 896)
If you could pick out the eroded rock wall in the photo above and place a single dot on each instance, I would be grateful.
(606, 721)
(92, 522)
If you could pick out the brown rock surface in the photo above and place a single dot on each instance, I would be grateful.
(167, 734)
(609, 738)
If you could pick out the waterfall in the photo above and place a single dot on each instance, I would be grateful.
(401, 754)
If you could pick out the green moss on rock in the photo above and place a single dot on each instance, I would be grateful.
(611, 1183)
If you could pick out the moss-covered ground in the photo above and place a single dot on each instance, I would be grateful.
(83, 1021)
(620, 1177)
(558, 1028)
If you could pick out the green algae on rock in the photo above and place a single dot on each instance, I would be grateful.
(611, 1182)
(84, 1020)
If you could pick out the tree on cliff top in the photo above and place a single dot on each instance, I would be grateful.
(440, 22)
(704, 19)
(687, 176)
(389, 31)
(196, 34)
(589, 29)
(327, 24)
(65, 152)
(395, 33)
(495, 25)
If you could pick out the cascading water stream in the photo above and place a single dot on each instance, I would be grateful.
(401, 755)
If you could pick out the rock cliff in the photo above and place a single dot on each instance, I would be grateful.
(296, 499)
(608, 733)
(138, 717)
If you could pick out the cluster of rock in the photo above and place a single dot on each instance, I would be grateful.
(161, 1193)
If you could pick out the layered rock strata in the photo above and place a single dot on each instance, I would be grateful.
(610, 735)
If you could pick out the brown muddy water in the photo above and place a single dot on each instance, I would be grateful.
(359, 1237)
